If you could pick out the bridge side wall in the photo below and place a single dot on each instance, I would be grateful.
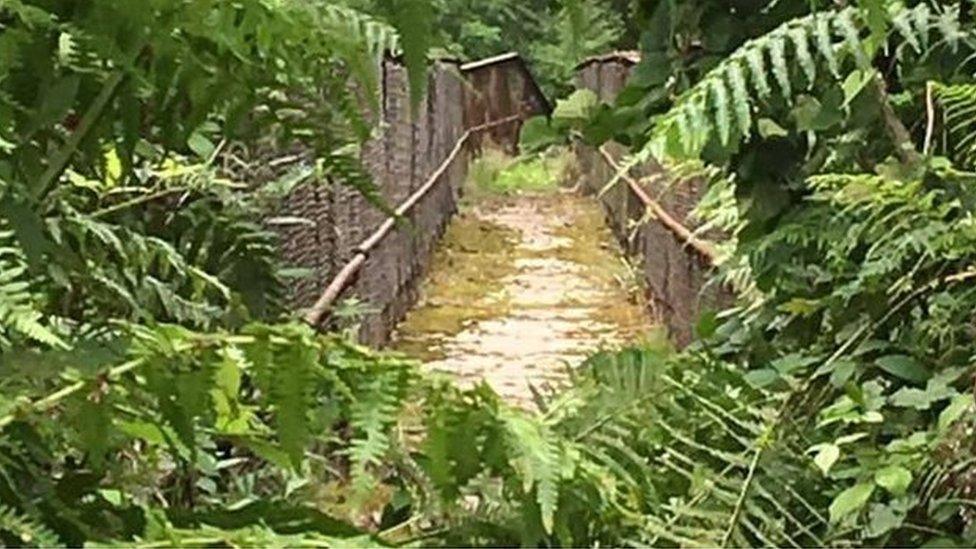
(676, 277)
(409, 148)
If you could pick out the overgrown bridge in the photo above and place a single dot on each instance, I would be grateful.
(355, 250)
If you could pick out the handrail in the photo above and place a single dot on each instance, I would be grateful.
(323, 305)
(704, 248)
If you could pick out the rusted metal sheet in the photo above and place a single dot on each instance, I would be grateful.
(499, 87)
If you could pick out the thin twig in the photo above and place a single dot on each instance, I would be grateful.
(900, 136)
(58, 162)
(136, 201)
(930, 114)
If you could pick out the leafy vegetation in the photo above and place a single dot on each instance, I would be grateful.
(498, 173)
(829, 406)
(154, 391)
(553, 35)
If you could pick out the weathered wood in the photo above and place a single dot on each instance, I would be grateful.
(704, 248)
(324, 304)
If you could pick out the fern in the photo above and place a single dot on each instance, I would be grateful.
(757, 69)
(959, 107)
(372, 414)
(740, 97)
(540, 461)
(20, 312)
(825, 43)
(836, 36)
(723, 118)
(781, 72)
(24, 532)
(801, 45)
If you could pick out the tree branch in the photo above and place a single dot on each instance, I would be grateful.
(899, 134)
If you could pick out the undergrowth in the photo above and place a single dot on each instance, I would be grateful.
(496, 173)
(154, 393)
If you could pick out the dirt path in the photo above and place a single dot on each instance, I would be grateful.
(521, 288)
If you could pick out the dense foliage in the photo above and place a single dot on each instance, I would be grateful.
(154, 391)
(552, 35)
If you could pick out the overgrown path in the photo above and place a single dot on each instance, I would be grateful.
(521, 288)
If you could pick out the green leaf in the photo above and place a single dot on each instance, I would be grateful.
(812, 115)
(762, 377)
(412, 19)
(910, 397)
(768, 129)
(792, 362)
(904, 367)
(291, 399)
(842, 372)
(537, 134)
(201, 146)
(850, 500)
(144, 430)
(893, 478)
(961, 404)
(707, 324)
(854, 84)
(577, 107)
(826, 457)
(883, 519)
(781, 70)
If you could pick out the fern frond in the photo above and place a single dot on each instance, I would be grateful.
(540, 459)
(921, 18)
(374, 411)
(847, 28)
(781, 71)
(958, 104)
(837, 37)
(25, 530)
(904, 24)
(757, 68)
(740, 97)
(825, 43)
(719, 96)
(800, 38)
(20, 312)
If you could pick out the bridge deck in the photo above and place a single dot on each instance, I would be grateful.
(520, 288)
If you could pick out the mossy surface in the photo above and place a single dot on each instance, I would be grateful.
(465, 284)
(528, 279)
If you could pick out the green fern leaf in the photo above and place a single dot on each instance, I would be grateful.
(685, 132)
(19, 311)
(844, 23)
(719, 97)
(740, 97)
(700, 121)
(958, 103)
(29, 532)
(802, 46)
(539, 461)
(903, 24)
(781, 71)
(291, 397)
(372, 414)
(947, 22)
(757, 68)
(921, 20)
(413, 22)
(825, 43)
